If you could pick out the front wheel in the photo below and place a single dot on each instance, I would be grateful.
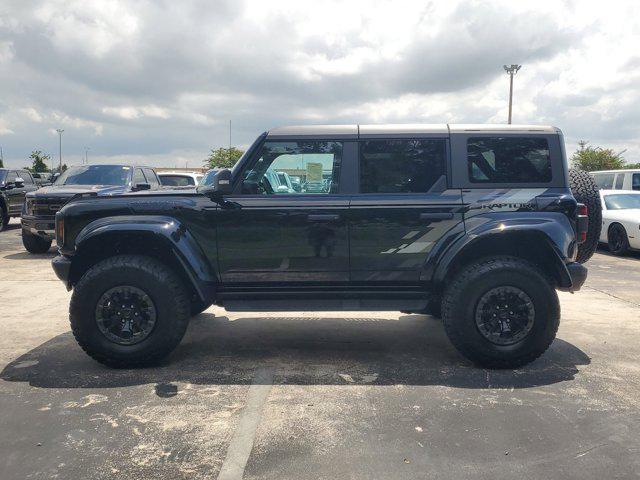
(501, 312)
(34, 243)
(129, 311)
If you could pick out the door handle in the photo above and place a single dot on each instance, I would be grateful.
(436, 216)
(323, 217)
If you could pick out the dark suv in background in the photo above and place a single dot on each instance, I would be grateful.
(14, 185)
(40, 207)
(473, 223)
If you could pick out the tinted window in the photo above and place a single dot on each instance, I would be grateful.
(316, 164)
(604, 180)
(138, 177)
(176, 180)
(508, 160)
(619, 181)
(635, 181)
(401, 166)
(26, 176)
(95, 175)
(622, 201)
(152, 179)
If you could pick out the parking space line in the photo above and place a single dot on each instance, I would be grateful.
(242, 442)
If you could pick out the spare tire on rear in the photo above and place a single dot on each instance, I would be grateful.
(585, 190)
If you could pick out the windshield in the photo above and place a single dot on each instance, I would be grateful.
(622, 201)
(95, 175)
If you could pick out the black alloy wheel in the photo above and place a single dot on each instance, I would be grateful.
(125, 315)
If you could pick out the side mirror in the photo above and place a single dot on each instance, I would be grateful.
(19, 182)
(220, 185)
(142, 186)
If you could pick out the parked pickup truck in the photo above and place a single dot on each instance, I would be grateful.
(40, 206)
(473, 223)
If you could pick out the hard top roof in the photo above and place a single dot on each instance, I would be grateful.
(355, 131)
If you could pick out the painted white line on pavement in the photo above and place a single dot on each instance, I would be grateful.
(242, 441)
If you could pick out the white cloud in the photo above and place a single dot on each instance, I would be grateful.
(150, 79)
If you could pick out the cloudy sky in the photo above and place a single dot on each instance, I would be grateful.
(157, 82)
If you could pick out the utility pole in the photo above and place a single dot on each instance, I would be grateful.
(511, 71)
(1, 158)
(86, 155)
(59, 130)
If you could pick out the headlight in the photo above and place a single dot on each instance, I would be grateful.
(29, 206)
(59, 230)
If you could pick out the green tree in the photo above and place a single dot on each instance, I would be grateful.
(39, 161)
(57, 169)
(223, 157)
(590, 158)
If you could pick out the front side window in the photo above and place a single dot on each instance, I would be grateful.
(316, 165)
(508, 160)
(11, 177)
(138, 177)
(151, 177)
(26, 176)
(95, 175)
(635, 181)
(401, 166)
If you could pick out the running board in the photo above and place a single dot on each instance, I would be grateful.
(323, 305)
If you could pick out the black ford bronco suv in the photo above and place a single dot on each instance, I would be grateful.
(475, 224)
(40, 207)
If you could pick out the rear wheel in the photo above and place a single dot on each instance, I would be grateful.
(501, 312)
(617, 239)
(34, 243)
(585, 190)
(129, 311)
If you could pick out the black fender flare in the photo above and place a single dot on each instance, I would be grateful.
(552, 229)
(170, 232)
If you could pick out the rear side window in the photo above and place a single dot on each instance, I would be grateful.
(604, 180)
(401, 166)
(619, 181)
(508, 160)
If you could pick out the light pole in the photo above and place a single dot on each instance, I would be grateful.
(59, 130)
(511, 71)
(86, 155)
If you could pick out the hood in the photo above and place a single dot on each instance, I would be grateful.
(627, 214)
(65, 191)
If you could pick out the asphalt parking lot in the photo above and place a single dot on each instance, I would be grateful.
(318, 396)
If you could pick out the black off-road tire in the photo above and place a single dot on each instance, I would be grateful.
(4, 218)
(585, 190)
(34, 243)
(166, 291)
(621, 246)
(461, 299)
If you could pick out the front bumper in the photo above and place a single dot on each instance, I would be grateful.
(43, 227)
(62, 268)
(578, 274)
